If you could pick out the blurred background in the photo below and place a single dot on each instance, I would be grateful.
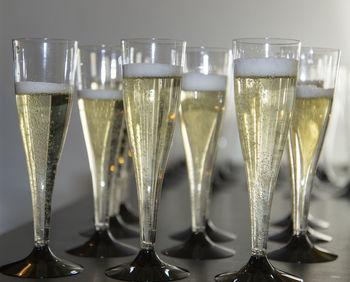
(200, 22)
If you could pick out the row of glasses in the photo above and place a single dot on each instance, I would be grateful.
(265, 87)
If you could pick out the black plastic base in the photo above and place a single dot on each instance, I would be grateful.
(41, 263)
(344, 193)
(301, 250)
(102, 245)
(147, 266)
(128, 215)
(313, 222)
(258, 269)
(287, 234)
(120, 230)
(214, 233)
(199, 246)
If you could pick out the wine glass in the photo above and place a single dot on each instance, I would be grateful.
(315, 89)
(44, 78)
(265, 75)
(152, 71)
(202, 104)
(101, 109)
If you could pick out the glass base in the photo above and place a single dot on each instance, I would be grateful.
(199, 246)
(345, 192)
(41, 263)
(147, 267)
(120, 230)
(301, 250)
(214, 233)
(258, 269)
(88, 232)
(287, 234)
(313, 222)
(127, 215)
(102, 245)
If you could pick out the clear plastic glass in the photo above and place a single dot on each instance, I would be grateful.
(44, 71)
(315, 90)
(100, 102)
(202, 105)
(152, 72)
(265, 73)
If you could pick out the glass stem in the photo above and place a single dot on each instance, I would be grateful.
(260, 208)
(301, 185)
(101, 201)
(199, 191)
(41, 200)
(148, 198)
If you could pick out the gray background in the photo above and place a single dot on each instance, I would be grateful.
(201, 22)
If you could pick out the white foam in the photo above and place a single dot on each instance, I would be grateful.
(31, 87)
(203, 82)
(313, 92)
(151, 70)
(100, 94)
(265, 67)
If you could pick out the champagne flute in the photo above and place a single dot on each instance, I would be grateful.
(265, 75)
(152, 71)
(44, 78)
(201, 109)
(315, 89)
(101, 109)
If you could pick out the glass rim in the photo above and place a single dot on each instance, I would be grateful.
(99, 47)
(154, 39)
(320, 49)
(275, 41)
(44, 39)
(204, 48)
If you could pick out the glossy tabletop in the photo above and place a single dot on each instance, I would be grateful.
(230, 211)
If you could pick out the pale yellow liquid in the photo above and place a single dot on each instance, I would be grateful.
(200, 120)
(102, 121)
(308, 127)
(151, 106)
(43, 120)
(264, 106)
(306, 136)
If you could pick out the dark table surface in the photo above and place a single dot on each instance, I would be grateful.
(230, 211)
